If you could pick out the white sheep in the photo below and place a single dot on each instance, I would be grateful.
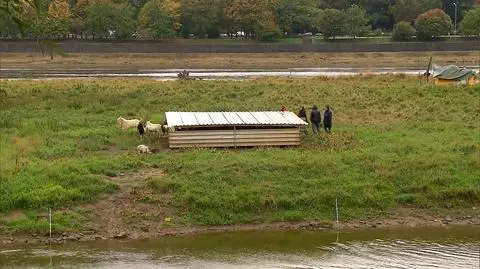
(143, 149)
(158, 128)
(125, 124)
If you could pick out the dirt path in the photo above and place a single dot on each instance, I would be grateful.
(132, 210)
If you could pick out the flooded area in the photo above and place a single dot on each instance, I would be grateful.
(169, 74)
(441, 247)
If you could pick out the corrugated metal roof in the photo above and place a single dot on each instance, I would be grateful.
(278, 118)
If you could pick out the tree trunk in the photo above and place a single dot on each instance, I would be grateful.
(40, 47)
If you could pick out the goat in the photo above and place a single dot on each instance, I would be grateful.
(125, 124)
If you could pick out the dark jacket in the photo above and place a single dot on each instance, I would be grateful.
(327, 117)
(315, 116)
(302, 113)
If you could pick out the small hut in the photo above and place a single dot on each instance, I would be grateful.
(454, 75)
(234, 129)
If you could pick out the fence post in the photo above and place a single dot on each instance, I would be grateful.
(50, 222)
(336, 209)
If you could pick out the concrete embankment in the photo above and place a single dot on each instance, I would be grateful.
(86, 46)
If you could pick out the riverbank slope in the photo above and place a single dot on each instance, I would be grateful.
(400, 150)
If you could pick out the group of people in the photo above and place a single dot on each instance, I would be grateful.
(316, 118)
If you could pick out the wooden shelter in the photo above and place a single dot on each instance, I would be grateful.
(234, 129)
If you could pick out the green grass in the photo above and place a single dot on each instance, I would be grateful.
(38, 221)
(397, 143)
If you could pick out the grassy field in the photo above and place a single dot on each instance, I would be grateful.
(238, 60)
(396, 143)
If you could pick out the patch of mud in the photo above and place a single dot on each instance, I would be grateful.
(133, 210)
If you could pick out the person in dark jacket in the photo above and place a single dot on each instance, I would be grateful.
(315, 119)
(327, 120)
(302, 114)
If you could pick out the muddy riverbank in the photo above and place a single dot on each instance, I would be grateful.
(401, 219)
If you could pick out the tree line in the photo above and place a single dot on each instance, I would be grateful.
(259, 19)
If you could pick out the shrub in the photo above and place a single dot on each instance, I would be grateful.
(403, 31)
(432, 24)
(471, 23)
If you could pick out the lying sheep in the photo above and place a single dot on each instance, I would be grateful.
(125, 124)
(145, 149)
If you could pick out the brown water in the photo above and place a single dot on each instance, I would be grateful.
(376, 248)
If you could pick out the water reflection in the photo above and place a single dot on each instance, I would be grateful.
(376, 248)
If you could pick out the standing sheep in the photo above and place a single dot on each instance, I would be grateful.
(125, 124)
(158, 128)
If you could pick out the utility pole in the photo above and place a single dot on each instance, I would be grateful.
(455, 29)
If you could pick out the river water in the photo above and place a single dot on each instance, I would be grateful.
(170, 74)
(449, 248)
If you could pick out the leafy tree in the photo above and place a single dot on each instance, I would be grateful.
(432, 24)
(296, 15)
(471, 22)
(79, 17)
(355, 20)
(59, 18)
(8, 27)
(430, 4)
(408, 10)
(267, 29)
(202, 17)
(154, 20)
(331, 23)
(173, 9)
(251, 16)
(337, 4)
(14, 11)
(403, 31)
(379, 13)
(105, 19)
(50, 21)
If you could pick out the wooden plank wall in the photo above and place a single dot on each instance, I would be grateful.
(235, 138)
